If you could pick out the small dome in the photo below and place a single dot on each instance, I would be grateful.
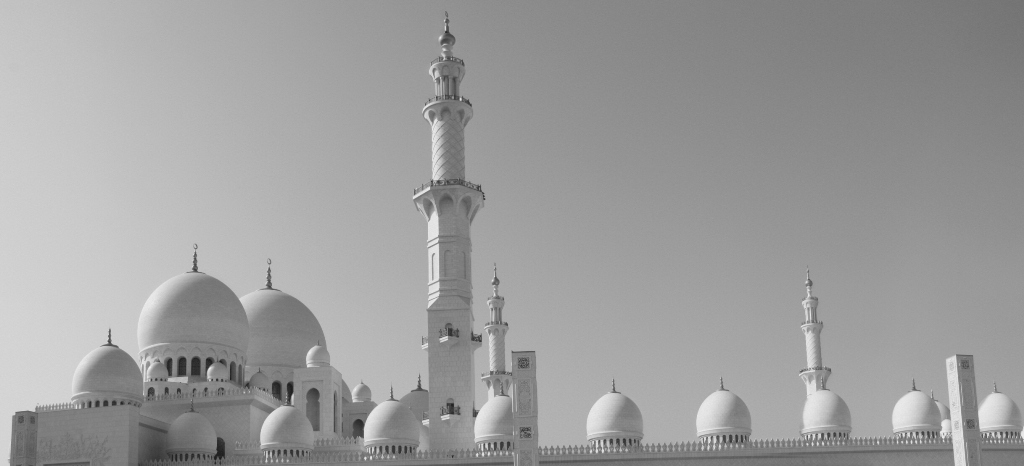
(259, 380)
(282, 329)
(391, 423)
(494, 421)
(916, 412)
(286, 428)
(998, 413)
(615, 416)
(217, 372)
(107, 372)
(157, 371)
(193, 308)
(318, 356)
(722, 413)
(418, 400)
(191, 433)
(825, 413)
(361, 393)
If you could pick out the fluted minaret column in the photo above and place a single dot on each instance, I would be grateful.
(498, 378)
(815, 375)
(449, 203)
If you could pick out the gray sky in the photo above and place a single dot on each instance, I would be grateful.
(658, 175)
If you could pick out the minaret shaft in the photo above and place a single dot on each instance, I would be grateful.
(815, 374)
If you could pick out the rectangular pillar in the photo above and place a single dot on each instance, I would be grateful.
(963, 410)
(524, 407)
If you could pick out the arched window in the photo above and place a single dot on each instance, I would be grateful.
(220, 391)
(357, 428)
(167, 390)
(151, 392)
(275, 389)
(182, 367)
(290, 391)
(170, 367)
(197, 366)
(231, 370)
(313, 408)
(220, 448)
(179, 391)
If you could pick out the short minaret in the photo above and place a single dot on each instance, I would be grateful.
(815, 375)
(449, 203)
(498, 378)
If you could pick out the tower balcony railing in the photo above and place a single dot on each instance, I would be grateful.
(815, 368)
(477, 337)
(449, 410)
(490, 373)
(441, 97)
(448, 332)
(449, 182)
(442, 58)
(496, 322)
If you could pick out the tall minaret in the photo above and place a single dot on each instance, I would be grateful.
(449, 203)
(498, 378)
(815, 375)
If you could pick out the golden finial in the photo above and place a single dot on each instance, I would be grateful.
(721, 383)
(270, 285)
(613, 386)
(446, 21)
(913, 385)
(195, 257)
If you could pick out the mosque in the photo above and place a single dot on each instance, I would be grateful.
(226, 380)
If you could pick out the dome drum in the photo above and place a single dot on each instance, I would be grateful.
(193, 363)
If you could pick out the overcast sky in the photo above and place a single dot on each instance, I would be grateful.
(658, 175)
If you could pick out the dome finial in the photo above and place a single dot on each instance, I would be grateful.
(721, 383)
(913, 385)
(995, 389)
(195, 257)
(931, 394)
(110, 341)
(419, 381)
(391, 397)
(191, 405)
(270, 284)
(613, 386)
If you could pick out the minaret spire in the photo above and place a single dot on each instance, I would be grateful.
(449, 203)
(498, 378)
(815, 374)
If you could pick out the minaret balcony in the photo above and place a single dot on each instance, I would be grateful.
(493, 373)
(451, 413)
(495, 322)
(445, 97)
(450, 182)
(448, 336)
(443, 58)
(424, 343)
(814, 369)
(476, 339)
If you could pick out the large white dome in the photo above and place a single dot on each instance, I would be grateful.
(825, 413)
(723, 413)
(916, 412)
(615, 416)
(998, 413)
(286, 428)
(391, 423)
(282, 329)
(494, 421)
(418, 400)
(191, 433)
(193, 308)
(107, 373)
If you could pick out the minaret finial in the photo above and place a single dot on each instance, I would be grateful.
(721, 383)
(913, 385)
(446, 22)
(613, 386)
(270, 285)
(808, 283)
(995, 389)
(195, 257)
(494, 281)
